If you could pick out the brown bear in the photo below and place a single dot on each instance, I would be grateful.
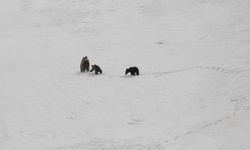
(96, 68)
(132, 70)
(84, 64)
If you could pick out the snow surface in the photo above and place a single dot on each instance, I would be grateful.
(193, 92)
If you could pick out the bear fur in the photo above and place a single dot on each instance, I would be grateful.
(84, 64)
(96, 68)
(132, 70)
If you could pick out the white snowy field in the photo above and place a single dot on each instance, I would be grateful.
(193, 92)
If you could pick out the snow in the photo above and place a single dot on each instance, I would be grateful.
(192, 94)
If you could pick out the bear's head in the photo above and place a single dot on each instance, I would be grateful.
(127, 71)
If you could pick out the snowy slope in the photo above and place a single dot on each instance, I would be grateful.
(192, 94)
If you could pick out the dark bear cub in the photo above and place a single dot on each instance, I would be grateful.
(132, 70)
(96, 68)
(84, 64)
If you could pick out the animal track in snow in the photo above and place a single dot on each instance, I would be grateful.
(135, 121)
(241, 103)
(180, 136)
(218, 69)
(160, 73)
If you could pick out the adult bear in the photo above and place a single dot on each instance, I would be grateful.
(132, 70)
(96, 68)
(84, 64)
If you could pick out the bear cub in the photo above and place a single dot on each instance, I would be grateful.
(132, 70)
(96, 68)
(84, 64)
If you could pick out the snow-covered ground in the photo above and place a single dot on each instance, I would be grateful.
(193, 92)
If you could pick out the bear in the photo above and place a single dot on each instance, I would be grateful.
(84, 64)
(132, 70)
(96, 68)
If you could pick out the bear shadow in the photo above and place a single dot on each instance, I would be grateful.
(92, 74)
(128, 76)
(80, 73)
